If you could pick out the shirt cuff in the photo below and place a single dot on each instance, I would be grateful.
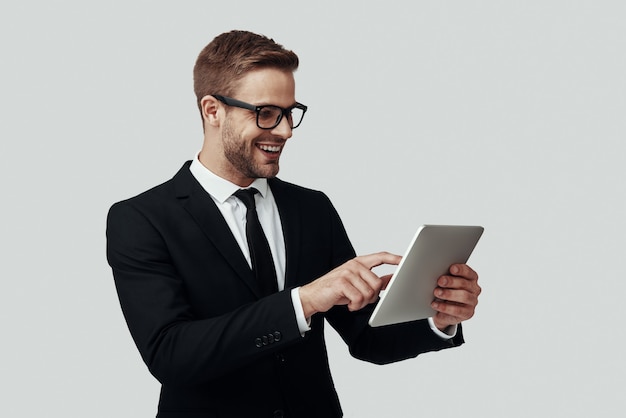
(449, 332)
(303, 324)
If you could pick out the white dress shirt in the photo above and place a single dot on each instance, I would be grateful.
(234, 212)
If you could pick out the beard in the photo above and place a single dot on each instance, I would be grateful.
(241, 154)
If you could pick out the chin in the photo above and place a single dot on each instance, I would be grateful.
(267, 171)
(269, 174)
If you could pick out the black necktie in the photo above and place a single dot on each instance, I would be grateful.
(260, 253)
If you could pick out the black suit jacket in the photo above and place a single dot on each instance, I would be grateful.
(197, 318)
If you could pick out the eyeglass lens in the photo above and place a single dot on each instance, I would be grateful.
(270, 116)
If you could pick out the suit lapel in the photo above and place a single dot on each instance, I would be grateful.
(199, 204)
(291, 222)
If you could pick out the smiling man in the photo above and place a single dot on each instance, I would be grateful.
(226, 274)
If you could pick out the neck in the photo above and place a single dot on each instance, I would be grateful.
(227, 173)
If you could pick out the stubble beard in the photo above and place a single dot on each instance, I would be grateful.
(240, 154)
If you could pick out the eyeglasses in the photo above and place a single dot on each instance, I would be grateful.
(269, 116)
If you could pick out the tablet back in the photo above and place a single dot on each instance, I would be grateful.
(432, 251)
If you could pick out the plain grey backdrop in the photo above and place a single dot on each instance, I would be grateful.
(506, 114)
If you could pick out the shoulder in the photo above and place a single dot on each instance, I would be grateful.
(161, 198)
(180, 184)
(309, 203)
(280, 187)
(144, 202)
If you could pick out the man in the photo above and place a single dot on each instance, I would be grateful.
(192, 284)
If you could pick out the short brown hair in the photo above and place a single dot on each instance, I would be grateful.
(224, 61)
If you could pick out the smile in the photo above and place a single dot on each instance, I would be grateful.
(270, 148)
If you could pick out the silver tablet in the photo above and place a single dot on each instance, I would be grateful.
(431, 253)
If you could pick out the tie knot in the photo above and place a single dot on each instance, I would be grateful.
(247, 197)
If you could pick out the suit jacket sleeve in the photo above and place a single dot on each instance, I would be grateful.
(179, 343)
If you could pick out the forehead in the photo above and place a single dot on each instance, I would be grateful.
(267, 86)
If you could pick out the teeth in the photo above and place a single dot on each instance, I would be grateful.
(270, 148)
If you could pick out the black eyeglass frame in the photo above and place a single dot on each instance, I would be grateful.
(229, 101)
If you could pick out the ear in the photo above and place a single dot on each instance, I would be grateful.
(211, 111)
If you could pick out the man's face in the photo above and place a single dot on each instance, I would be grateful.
(250, 152)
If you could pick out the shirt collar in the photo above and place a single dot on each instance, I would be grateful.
(221, 189)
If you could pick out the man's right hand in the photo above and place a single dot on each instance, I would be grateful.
(352, 283)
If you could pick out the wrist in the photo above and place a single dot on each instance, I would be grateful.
(448, 331)
(440, 326)
(307, 307)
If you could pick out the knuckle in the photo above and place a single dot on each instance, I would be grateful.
(342, 280)
(346, 273)
(358, 299)
(353, 264)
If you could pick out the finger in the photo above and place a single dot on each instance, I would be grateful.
(460, 312)
(463, 270)
(356, 271)
(368, 284)
(456, 296)
(357, 295)
(452, 282)
(374, 260)
(363, 296)
(385, 280)
(359, 285)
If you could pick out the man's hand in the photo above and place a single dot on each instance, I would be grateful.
(352, 283)
(456, 296)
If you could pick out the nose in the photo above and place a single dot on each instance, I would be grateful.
(283, 130)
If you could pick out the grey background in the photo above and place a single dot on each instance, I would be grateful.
(504, 114)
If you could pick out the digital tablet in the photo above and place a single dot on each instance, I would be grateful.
(432, 251)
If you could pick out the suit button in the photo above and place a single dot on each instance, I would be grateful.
(270, 338)
(265, 341)
(277, 336)
(258, 343)
(278, 414)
